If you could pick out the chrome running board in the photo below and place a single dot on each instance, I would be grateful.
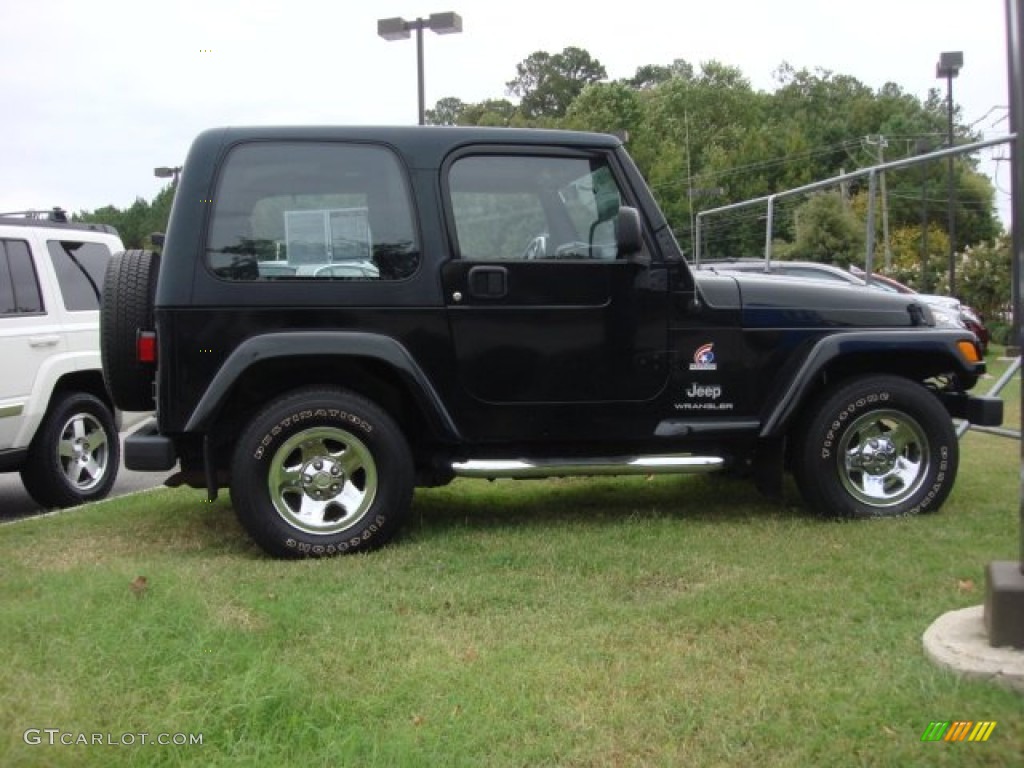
(490, 469)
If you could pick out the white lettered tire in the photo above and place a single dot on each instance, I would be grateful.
(878, 446)
(321, 472)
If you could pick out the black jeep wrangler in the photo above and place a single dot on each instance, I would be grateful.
(341, 314)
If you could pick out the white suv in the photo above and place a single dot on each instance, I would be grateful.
(57, 424)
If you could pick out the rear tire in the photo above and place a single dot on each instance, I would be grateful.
(879, 446)
(321, 472)
(127, 308)
(75, 454)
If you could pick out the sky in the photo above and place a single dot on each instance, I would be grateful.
(96, 93)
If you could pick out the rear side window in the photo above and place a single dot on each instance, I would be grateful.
(80, 268)
(312, 211)
(19, 286)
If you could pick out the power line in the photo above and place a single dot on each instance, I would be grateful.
(991, 110)
(760, 164)
(963, 203)
(824, 150)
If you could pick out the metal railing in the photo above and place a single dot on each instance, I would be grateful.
(872, 174)
(997, 388)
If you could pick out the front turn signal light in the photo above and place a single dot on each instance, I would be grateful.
(969, 351)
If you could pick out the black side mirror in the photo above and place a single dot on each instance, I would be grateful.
(629, 236)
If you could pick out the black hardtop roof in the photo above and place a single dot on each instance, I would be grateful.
(430, 134)
(422, 146)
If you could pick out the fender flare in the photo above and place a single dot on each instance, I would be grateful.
(323, 343)
(780, 409)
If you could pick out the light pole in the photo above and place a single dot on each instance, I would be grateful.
(950, 63)
(397, 28)
(167, 172)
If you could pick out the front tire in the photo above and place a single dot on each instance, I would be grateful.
(74, 456)
(321, 472)
(879, 446)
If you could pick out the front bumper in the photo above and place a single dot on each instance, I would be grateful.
(977, 409)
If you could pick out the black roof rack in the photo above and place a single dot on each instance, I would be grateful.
(55, 218)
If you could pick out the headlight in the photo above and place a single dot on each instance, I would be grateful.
(944, 318)
(970, 314)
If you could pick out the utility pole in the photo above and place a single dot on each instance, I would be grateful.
(881, 142)
(921, 147)
(689, 186)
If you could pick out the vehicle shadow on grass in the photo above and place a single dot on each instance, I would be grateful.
(479, 504)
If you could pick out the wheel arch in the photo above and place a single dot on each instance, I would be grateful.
(836, 358)
(89, 381)
(377, 367)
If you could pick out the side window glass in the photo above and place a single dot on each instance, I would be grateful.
(7, 303)
(80, 269)
(499, 225)
(19, 287)
(815, 274)
(526, 208)
(312, 211)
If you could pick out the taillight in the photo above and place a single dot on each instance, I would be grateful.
(145, 346)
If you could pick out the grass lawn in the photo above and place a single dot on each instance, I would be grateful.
(604, 622)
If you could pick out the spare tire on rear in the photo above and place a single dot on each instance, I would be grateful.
(126, 309)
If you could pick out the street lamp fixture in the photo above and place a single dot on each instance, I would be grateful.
(397, 28)
(948, 67)
(167, 172)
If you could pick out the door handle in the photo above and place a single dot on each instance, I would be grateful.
(43, 341)
(488, 282)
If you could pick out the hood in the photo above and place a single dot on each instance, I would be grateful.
(938, 301)
(785, 302)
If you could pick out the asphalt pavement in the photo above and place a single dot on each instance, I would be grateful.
(15, 503)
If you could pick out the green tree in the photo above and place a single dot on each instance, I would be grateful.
(827, 231)
(652, 75)
(909, 250)
(693, 123)
(546, 84)
(138, 221)
(606, 108)
(447, 111)
(493, 112)
(985, 275)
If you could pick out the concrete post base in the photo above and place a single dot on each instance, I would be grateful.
(1004, 604)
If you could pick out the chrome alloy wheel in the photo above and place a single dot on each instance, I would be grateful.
(322, 480)
(883, 458)
(83, 451)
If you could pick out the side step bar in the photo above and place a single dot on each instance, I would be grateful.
(490, 469)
